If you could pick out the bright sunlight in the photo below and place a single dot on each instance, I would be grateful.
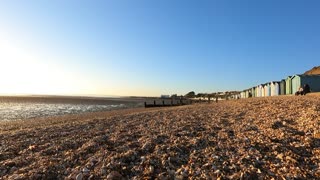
(23, 72)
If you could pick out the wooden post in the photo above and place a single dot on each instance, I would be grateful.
(145, 104)
(154, 102)
(171, 102)
(163, 102)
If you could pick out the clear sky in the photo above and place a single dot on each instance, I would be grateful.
(148, 47)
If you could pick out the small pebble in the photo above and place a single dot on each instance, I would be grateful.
(79, 176)
(114, 175)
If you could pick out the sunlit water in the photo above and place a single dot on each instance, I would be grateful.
(27, 110)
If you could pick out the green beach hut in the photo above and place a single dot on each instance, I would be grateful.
(301, 80)
(289, 85)
(283, 87)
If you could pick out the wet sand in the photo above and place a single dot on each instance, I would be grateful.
(72, 99)
(258, 138)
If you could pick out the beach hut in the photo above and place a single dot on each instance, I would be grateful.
(260, 88)
(243, 94)
(235, 95)
(256, 91)
(267, 89)
(253, 92)
(301, 80)
(289, 85)
(275, 88)
(247, 93)
(263, 92)
(283, 87)
(272, 89)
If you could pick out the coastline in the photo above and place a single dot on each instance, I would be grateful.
(274, 137)
(31, 107)
(70, 99)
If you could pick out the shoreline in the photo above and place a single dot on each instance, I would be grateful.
(69, 99)
(61, 119)
(23, 108)
(274, 137)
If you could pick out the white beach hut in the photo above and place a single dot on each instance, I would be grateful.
(263, 90)
(259, 91)
(275, 88)
(243, 94)
(267, 89)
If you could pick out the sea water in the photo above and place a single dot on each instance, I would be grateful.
(27, 110)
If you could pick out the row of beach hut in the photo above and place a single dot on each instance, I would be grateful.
(287, 86)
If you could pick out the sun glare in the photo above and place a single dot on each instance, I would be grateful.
(22, 72)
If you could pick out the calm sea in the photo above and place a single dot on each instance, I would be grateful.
(18, 108)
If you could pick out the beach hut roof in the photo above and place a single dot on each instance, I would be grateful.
(247, 90)
(289, 77)
(275, 81)
(306, 75)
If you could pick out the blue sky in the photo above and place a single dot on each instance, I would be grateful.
(122, 47)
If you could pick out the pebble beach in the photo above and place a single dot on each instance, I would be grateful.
(255, 138)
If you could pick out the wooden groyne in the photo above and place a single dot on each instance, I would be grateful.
(166, 102)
